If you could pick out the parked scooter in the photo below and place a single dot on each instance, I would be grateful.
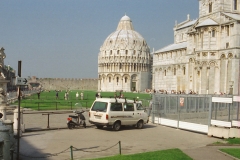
(76, 120)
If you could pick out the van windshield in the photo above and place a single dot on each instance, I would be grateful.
(100, 106)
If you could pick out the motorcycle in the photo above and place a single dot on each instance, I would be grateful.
(76, 120)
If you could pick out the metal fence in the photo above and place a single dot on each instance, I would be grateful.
(182, 110)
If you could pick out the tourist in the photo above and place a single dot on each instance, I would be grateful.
(56, 94)
(96, 95)
(81, 95)
(77, 96)
(38, 93)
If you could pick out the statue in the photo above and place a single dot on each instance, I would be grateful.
(2, 96)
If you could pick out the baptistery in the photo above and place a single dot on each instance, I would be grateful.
(124, 61)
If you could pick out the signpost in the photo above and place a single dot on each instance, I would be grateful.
(21, 81)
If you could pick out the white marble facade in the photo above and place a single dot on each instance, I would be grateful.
(124, 60)
(204, 57)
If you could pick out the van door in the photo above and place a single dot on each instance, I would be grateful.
(129, 113)
(115, 113)
(140, 112)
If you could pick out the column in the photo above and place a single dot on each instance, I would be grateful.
(3, 111)
(4, 134)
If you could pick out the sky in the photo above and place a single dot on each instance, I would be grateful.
(62, 38)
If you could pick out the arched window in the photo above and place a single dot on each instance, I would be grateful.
(235, 6)
(118, 52)
(109, 79)
(165, 72)
(184, 70)
(210, 7)
(126, 52)
(213, 33)
(227, 30)
(174, 71)
(120, 66)
(111, 52)
(117, 79)
(125, 79)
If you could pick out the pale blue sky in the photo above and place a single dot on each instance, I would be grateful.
(62, 38)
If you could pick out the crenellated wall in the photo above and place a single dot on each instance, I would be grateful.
(66, 83)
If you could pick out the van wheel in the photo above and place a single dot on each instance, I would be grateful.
(99, 127)
(140, 124)
(116, 126)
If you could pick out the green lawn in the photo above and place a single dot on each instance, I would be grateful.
(48, 100)
(233, 140)
(170, 154)
(235, 152)
(229, 141)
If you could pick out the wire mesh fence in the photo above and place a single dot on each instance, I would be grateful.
(194, 108)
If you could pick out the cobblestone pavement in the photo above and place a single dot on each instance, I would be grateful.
(54, 143)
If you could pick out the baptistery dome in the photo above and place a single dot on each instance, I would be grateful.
(124, 60)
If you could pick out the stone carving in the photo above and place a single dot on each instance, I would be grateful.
(2, 96)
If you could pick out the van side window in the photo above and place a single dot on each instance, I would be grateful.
(116, 107)
(128, 107)
(139, 106)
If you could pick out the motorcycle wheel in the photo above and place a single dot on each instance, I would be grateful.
(71, 125)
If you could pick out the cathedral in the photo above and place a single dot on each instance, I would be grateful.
(124, 61)
(204, 57)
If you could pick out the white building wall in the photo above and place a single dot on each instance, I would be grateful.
(211, 61)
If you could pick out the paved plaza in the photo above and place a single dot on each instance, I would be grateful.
(40, 142)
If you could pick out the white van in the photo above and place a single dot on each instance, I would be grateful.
(117, 112)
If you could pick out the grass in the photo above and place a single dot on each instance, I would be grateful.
(235, 152)
(170, 154)
(233, 140)
(48, 100)
(229, 141)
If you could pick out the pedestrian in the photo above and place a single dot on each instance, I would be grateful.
(96, 95)
(38, 93)
(77, 96)
(65, 96)
(56, 94)
(81, 95)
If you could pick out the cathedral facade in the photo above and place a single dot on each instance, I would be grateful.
(205, 55)
(124, 61)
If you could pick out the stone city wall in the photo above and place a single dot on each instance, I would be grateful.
(68, 83)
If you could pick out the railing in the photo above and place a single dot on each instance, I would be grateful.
(195, 112)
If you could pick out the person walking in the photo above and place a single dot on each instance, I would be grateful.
(81, 95)
(65, 96)
(96, 95)
(38, 93)
(56, 94)
(77, 96)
